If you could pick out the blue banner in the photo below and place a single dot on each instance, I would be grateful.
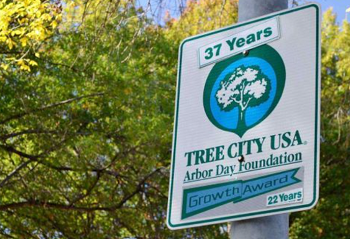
(201, 199)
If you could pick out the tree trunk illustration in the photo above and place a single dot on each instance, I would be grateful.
(241, 120)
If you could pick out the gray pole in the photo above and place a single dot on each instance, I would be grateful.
(271, 227)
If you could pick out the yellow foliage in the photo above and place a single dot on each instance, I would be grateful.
(24, 26)
(23, 66)
(32, 63)
(202, 16)
(4, 66)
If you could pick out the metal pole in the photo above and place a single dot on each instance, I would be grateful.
(271, 227)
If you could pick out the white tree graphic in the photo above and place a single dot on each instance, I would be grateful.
(245, 86)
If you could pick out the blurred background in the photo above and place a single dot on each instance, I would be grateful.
(87, 91)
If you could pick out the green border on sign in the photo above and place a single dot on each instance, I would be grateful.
(269, 211)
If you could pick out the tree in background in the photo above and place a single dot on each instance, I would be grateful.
(331, 216)
(85, 137)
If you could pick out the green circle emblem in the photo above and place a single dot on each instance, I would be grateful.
(241, 91)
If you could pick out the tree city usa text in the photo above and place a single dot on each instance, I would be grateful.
(243, 148)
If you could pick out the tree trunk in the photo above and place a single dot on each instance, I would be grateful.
(241, 121)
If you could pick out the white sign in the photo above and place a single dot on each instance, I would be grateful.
(246, 131)
(258, 35)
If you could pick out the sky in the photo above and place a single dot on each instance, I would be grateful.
(339, 7)
(155, 6)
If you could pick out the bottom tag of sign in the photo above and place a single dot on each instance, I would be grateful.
(201, 199)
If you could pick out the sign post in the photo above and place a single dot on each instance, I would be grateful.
(246, 131)
(276, 226)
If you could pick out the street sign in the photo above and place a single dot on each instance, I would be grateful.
(247, 116)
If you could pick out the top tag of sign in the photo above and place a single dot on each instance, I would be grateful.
(258, 35)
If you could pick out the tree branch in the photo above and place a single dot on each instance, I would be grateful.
(20, 115)
(11, 149)
(43, 204)
(31, 158)
(137, 190)
(14, 172)
(89, 190)
(12, 135)
(35, 203)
